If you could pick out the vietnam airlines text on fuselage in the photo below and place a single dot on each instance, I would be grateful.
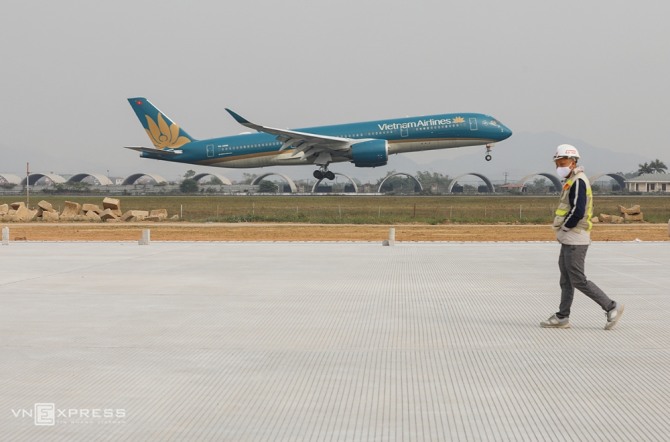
(366, 144)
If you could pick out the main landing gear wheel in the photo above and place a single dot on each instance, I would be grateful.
(488, 152)
(321, 174)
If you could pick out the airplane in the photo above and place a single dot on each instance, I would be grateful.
(366, 144)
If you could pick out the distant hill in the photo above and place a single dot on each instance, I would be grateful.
(523, 154)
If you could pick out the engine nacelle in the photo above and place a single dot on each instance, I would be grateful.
(371, 153)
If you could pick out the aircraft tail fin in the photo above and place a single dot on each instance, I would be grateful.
(162, 131)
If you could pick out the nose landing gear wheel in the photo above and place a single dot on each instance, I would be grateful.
(488, 152)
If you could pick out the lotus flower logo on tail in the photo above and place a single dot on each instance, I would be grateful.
(164, 135)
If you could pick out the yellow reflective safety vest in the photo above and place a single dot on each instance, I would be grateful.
(564, 204)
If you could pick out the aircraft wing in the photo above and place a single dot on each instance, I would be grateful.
(306, 143)
(153, 150)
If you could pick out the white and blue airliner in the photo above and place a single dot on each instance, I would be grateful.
(366, 144)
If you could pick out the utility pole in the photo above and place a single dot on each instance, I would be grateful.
(27, 184)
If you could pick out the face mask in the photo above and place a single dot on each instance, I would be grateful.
(563, 172)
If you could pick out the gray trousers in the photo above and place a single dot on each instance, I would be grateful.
(571, 264)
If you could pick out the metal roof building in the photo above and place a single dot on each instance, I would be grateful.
(649, 182)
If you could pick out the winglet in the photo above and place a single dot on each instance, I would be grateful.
(238, 117)
(245, 122)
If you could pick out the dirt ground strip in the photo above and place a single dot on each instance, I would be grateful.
(318, 232)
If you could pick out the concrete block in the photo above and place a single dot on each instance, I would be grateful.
(630, 210)
(134, 215)
(50, 216)
(616, 219)
(92, 216)
(145, 239)
(159, 213)
(17, 205)
(391, 240)
(71, 209)
(23, 214)
(45, 206)
(111, 203)
(174, 218)
(605, 218)
(108, 215)
(4, 209)
(631, 218)
(91, 208)
(595, 220)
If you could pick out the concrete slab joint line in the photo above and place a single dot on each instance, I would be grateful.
(328, 341)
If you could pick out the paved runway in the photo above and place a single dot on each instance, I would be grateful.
(328, 341)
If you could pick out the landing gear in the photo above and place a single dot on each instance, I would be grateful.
(488, 152)
(323, 172)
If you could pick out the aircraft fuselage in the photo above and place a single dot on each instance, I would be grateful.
(403, 135)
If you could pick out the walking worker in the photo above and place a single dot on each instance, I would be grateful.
(573, 230)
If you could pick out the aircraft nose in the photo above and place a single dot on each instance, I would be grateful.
(506, 132)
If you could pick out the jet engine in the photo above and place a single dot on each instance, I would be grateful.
(372, 153)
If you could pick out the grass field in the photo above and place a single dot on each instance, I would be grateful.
(367, 209)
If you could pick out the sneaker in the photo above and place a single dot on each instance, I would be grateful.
(613, 316)
(555, 322)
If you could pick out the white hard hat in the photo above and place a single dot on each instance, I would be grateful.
(566, 151)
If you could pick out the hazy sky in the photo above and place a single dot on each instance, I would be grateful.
(598, 71)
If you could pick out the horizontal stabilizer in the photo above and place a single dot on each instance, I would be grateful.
(153, 150)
